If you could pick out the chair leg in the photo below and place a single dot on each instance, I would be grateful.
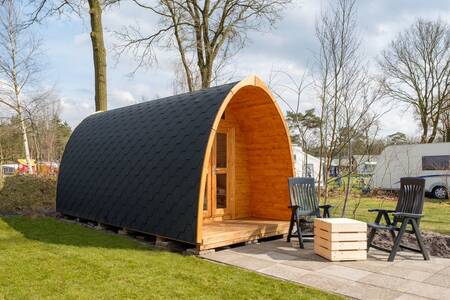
(398, 239)
(373, 231)
(388, 223)
(299, 233)
(291, 227)
(370, 238)
(419, 239)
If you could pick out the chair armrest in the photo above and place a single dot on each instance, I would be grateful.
(293, 206)
(407, 215)
(326, 210)
(381, 210)
(326, 206)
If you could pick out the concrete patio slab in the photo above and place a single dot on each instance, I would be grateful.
(425, 290)
(438, 279)
(344, 272)
(251, 263)
(284, 271)
(409, 277)
(381, 280)
(406, 273)
(323, 282)
(406, 296)
(366, 291)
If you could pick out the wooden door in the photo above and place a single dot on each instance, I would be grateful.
(219, 196)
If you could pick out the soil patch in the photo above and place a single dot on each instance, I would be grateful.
(437, 244)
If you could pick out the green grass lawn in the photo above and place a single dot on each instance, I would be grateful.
(436, 214)
(46, 258)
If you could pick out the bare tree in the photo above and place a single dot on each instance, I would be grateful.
(302, 125)
(46, 8)
(445, 122)
(205, 33)
(42, 113)
(416, 69)
(346, 92)
(18, 67)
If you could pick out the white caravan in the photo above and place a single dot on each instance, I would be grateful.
(305, 165)
(428, 161)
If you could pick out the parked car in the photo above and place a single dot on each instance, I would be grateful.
(428, 161)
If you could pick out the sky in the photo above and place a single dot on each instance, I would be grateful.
(289, 47)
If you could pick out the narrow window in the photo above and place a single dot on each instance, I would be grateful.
(221, 191)
(221, 161)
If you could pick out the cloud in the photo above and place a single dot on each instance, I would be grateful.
(81, 39)
(119, 98)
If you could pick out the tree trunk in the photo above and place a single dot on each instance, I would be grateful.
(349, 178)
(25, 139)
(206, 74)
(423, 138)
(434, 129)
(1, 164)
(99, 55)
(325, 177)
(319, 180)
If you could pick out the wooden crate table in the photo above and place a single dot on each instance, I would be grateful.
(338, 239)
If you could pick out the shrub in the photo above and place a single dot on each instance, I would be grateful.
(27, 194)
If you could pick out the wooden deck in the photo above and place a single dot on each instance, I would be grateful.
(228, 232)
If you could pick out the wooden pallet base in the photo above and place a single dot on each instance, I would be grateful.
(229, 232)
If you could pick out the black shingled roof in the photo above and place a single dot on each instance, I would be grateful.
(139, 166)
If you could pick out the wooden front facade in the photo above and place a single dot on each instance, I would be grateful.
(244, 182)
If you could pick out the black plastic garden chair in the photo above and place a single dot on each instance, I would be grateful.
(304, 205)
(407, 212)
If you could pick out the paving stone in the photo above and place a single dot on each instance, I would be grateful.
(304, 255)
(344, 272)
(445, 271)
(421, 265)
(273, 256)
(366, 265)
(445, 297)
(425, 290)
(251, 263)
(287, 248)
(223, 256)
(249, 250)
(367, 292)
(440, 280)
(307, 265)
(323, 282)
(441, 261)
(285, 272)
(402, 272)
(385, 281)
(406, 296)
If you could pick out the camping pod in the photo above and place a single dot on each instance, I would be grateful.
(208, 168)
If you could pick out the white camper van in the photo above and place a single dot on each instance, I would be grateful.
(306, 165)
(428, 161)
